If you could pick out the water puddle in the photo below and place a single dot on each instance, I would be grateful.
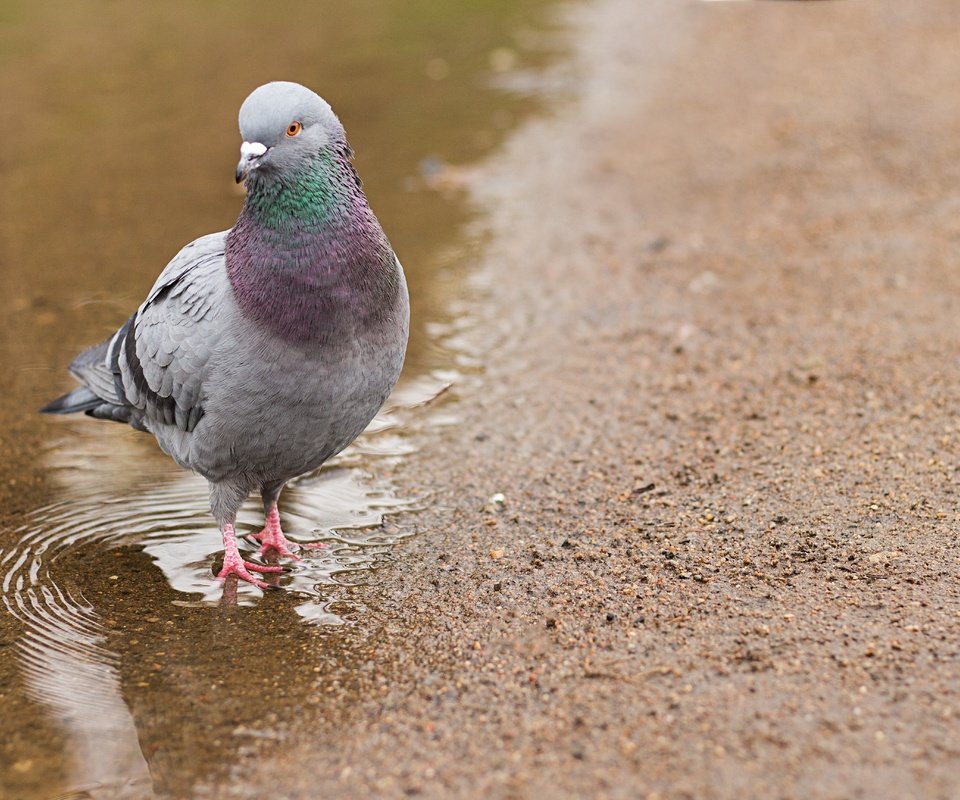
(69, 662)
(167, 514)
(126, 671)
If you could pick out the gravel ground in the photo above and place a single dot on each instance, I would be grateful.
(721, 406)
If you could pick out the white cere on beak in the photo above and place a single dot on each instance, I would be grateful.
(249, 153)
(252, 149)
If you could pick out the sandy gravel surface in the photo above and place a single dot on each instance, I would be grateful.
(724, 422)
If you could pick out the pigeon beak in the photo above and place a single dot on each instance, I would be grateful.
(250, 155)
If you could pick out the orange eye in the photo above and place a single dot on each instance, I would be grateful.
(293, 129)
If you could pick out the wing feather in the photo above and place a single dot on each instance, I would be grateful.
(172, 335)
(152, 370)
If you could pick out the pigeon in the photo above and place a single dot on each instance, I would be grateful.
(264, 350)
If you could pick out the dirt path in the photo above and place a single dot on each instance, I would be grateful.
(734, 263)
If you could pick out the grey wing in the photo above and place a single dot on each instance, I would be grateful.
(159, 358)
(152, 370)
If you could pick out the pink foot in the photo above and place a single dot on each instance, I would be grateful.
(233, 564)
(272, 538)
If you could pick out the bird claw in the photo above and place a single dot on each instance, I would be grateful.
(234, 564)
(272, 538)
(277, 542)
(239, 569)
(253, 566)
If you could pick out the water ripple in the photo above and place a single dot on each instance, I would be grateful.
(67, 664)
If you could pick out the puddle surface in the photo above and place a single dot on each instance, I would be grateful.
(124, 670)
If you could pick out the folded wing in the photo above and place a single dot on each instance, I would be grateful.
(152, 370)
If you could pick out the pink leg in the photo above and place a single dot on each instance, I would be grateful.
(233, 564)
(272, 538)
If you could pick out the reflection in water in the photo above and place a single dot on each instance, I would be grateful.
(158, 512)
(67, 665)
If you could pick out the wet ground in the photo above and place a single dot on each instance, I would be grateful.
(716, 309)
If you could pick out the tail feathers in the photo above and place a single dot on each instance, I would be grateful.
(93, 405)
(95, 356)
(90, 368)
(116, 413)
(81, 399)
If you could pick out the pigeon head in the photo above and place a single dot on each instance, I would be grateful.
(284, 125)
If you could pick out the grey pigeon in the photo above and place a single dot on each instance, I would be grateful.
(262, 351)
